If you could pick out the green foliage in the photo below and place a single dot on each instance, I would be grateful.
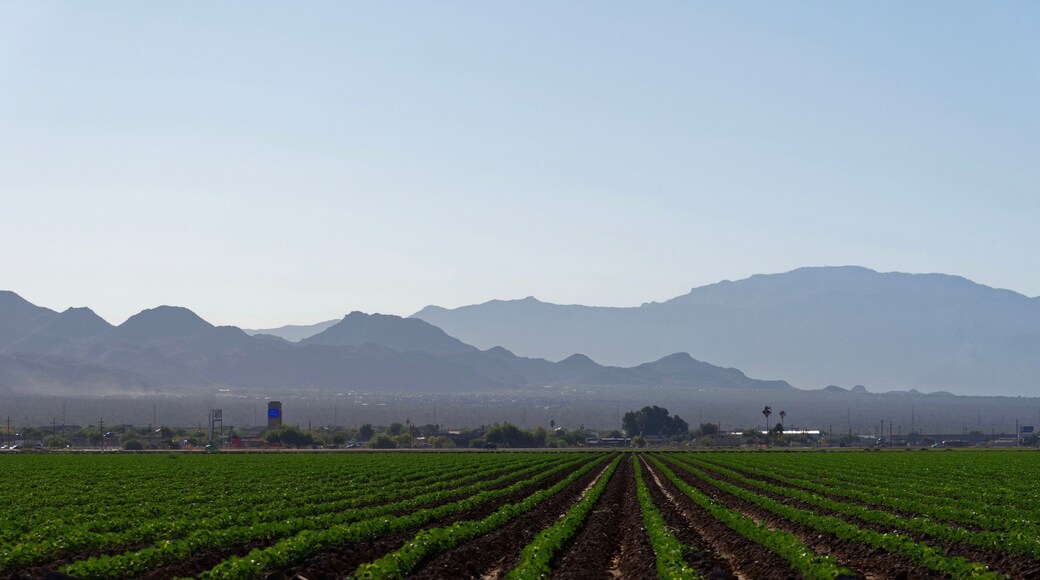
(785, 544)
(509, 435)
(667, 549)
(366, 432)
(380, 485)
(932, 558)
(289, 436)
(383, 441)
(653, 421)
(437, 540)
(536, 556)
(298, 505)
(707, 429)
(55, 442)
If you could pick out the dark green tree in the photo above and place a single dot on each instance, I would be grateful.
(366, 432)
(509, 435)
(708, 429)
(653, 421)
(382, 441)
(289, 435)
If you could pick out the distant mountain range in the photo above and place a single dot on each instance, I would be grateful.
(169, 348)
(812, 326)
(292, 332)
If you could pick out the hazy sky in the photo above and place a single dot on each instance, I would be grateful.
(272, 163)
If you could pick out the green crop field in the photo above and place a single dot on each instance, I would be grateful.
(522, 515)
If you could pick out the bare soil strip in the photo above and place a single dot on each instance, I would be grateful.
(866, 560)
(495, 554)
(713, 549)
(1014, 565)
(613, 543)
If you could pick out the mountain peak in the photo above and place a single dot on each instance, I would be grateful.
(17, 312)
(76, 323)
(402, 334)
(161, 322)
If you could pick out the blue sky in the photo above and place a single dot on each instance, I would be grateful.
(273, 163)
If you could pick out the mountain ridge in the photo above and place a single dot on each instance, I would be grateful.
(813, 326)
(171, 347)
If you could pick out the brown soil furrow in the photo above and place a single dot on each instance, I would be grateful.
(197, 563)
(494, 554)
(325, 564)
(712, 548)
(1015, 565)
(841, 498)
(871, 562)
(612, 543)
(344, 560)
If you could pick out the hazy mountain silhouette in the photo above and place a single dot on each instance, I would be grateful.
(402, 334)
(19, 317)
(172, 347)
(160, 323)
(812, 326)
(58, 330)
(293, 332)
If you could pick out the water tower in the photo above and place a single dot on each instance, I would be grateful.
(274, 414)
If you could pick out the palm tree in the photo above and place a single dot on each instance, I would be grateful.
(767, 412)
(782, 415)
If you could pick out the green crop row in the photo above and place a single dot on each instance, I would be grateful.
(921, 553)
(429, 543)
(63, 511)
(996, 541)
(999, 486)
(536, 557)
(310, 542)
(785, 544)
(57, 539)
(224, 527)
(667, 549)
(902, 497)
(167, 552)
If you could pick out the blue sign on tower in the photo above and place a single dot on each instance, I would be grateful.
(274, 414)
